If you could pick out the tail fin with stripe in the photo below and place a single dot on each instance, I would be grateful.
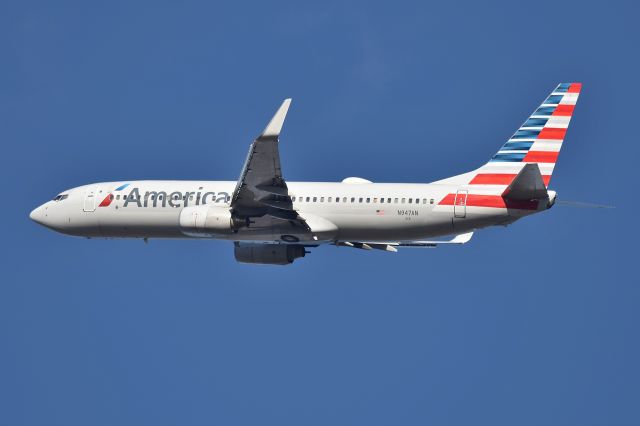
(537, 141)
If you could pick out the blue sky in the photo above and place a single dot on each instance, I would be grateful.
(532, 324)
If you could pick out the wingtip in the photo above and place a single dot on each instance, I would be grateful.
(275, 125)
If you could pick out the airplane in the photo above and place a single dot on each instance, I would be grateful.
(272, 221)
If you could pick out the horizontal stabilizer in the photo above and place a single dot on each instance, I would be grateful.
(527, 185)
(391, 245)
(458, 239)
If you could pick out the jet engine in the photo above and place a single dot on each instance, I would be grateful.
(206, 220)
(269, 254)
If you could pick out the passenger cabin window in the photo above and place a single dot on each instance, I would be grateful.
(410, 199)
(322, 199)
(360, 199)
(403, 200)
(293, 198)
(353, 199)
(395, 200)
(308, 198)
(375, 200)
(329, 200)
(382, 200)
(118, 197)
(315, 199)
(344, 199)
(337, 199)
(368, 200)
(431, 201)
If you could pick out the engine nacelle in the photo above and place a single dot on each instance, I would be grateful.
(205, 220)
(269, 254)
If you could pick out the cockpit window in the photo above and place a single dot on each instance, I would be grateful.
(61, 197)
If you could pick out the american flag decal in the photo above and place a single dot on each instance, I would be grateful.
(380, 212)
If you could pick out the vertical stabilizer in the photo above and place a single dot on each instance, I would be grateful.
(537, 141)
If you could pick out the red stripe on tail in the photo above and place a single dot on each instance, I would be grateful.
(540, 157)
(564, 110)
(574, 88)
(552, 133)
(499, 179)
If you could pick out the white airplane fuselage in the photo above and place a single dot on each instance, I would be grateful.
(360, 211)
(272, 221)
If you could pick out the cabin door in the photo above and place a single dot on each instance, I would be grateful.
(460, 203)
(90, 195)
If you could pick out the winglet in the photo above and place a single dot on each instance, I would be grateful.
(275, 125)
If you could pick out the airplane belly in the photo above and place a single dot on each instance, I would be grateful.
(392, 225)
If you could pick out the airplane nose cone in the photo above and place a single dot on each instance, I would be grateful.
(37, 215)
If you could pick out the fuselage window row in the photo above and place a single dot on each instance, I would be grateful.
(301, 199)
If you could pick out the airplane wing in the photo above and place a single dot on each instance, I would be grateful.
(392, 246)
(261, 198)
